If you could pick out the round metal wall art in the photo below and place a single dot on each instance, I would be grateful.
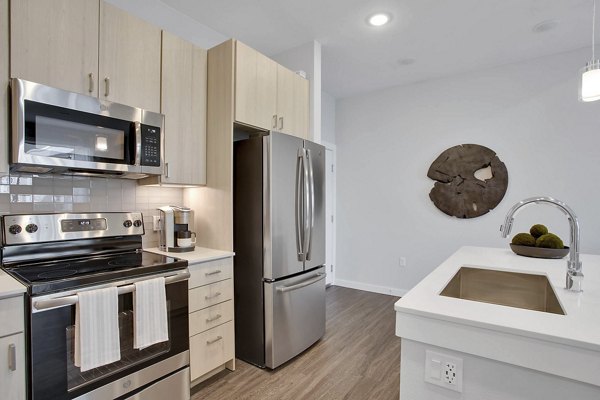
(471, 181)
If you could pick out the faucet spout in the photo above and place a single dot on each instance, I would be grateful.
(574, 277)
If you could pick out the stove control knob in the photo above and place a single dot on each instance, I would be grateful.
(127, 224)
(14, 229)
(31, 228)
(137, 223)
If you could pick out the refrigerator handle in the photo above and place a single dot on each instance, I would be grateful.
(299, 205)
(306, 198)
(311, 204)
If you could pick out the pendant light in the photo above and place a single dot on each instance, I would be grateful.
(589, 85)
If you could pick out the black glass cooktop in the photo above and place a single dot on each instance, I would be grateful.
(52, 276)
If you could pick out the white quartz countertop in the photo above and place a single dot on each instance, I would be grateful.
(200, 254)
(579, 327)
(9, 286)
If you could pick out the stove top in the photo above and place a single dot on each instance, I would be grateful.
(52, 276)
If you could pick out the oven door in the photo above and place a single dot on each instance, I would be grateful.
(53, 375)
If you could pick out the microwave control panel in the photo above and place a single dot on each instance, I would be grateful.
(150, 146)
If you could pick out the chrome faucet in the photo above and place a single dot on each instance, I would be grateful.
(574, 275)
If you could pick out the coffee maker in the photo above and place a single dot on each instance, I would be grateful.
(176, 229)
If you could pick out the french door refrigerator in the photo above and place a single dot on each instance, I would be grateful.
(279, 244)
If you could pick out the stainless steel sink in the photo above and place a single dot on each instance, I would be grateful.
(513, 289)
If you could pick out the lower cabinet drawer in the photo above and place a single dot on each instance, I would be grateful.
(210, 349)
(206, 296)
(211, 317)
(12, 315)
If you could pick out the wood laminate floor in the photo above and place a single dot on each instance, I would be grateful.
(358, 358)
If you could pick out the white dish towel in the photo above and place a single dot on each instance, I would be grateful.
(150, 313)
(97, 328)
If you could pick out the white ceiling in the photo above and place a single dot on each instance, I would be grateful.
(444, 37)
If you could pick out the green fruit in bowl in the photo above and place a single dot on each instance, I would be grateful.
(523, 239)
(538, 230)
(549, 241)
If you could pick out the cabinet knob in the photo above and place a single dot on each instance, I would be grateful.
(274, 121)
(106, 86)
(280, 122)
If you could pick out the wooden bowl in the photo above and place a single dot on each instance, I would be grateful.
(539, 252)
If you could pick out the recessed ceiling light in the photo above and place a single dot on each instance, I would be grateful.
(545, 26)
(379, 19)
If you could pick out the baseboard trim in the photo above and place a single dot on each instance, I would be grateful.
(370, 288)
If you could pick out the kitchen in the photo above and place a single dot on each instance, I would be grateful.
(521, 103)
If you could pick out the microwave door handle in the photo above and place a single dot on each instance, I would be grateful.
(138, 143)
(299, 206)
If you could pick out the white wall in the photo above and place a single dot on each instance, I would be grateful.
(527, 112)
(169, 19)
(307, 58)
(327, 118)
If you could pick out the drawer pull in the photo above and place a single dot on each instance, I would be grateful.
(214, 340)
(213, 272)
(12, 357)
(216, 317)
(212, 296)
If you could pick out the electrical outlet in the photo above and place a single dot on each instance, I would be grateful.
(449, 373)
(156, 223)
(444, 370)
(402, 262)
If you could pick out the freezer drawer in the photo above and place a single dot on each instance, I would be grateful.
(294, 315)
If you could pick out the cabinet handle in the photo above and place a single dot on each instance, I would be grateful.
(12, 357)
(213, 272)
(91, 82)
(213, 296)
(106, 86)
(274, 121)
(280, 122)
(216, 317)
(167, 170)
(215, 340)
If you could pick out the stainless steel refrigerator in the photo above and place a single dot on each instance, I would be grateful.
(279, 242)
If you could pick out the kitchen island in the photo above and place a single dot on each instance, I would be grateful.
(496, 351)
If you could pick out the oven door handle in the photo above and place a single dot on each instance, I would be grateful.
(73, 299)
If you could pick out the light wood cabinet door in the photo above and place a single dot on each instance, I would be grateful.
(300, 118)
(12, 367)
(130, 57)
(55, 42)
(210, 349)
(292, 103)
(183, 102)
(4, 92)
(255, 88)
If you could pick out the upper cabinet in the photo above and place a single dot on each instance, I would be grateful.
(55, 42)
(268, 95)
(129, 59)
(183, 102)
(89, 47)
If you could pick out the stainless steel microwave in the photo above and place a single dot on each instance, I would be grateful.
(55, 131)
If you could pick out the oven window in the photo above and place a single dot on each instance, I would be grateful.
(57, 132)
(129, 355)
